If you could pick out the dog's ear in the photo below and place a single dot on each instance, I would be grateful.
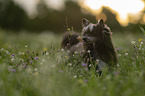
(85, 22)
(101, 23)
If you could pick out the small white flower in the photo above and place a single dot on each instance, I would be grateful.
(90, 65)
(88, 51)
(133, 42)
(75, 76)
(118, 65)
(62, 49)
(35, 69)
(141, 42)
(76, 52)
(2, 49)
(126, 54)
(43, 60)
(68, 51)
(119, 55)
(26, 46)
(7, 52)
(23, 53)
(12, 59)
(70, 64)
(47, 53)
(97, 60)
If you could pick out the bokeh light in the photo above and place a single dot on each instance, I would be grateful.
(122, 8)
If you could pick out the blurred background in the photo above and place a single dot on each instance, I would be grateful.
(60, 15)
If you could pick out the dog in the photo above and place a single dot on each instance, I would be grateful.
(95, 44)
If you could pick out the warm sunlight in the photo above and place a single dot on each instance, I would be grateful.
(94, 4)
(121, 7)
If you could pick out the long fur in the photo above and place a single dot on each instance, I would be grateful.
(96, 44)
(70, 39)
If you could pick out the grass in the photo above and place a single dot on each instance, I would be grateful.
(35, 65)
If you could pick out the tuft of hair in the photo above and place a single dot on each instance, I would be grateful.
(106, 50)
(69, 40)
(103, 47)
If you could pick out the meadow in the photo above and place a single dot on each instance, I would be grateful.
(35, 65)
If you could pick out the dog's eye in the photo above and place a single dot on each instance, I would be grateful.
(84, 34)
(107, 29)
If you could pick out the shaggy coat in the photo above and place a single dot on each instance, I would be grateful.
(95, 44)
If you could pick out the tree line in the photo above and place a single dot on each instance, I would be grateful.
(13, 17)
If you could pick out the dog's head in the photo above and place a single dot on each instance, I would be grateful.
(92, 33)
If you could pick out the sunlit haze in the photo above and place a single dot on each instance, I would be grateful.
(55, 4)
(124, 9)
(28, 5)
(31, 5)
(121, 7)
